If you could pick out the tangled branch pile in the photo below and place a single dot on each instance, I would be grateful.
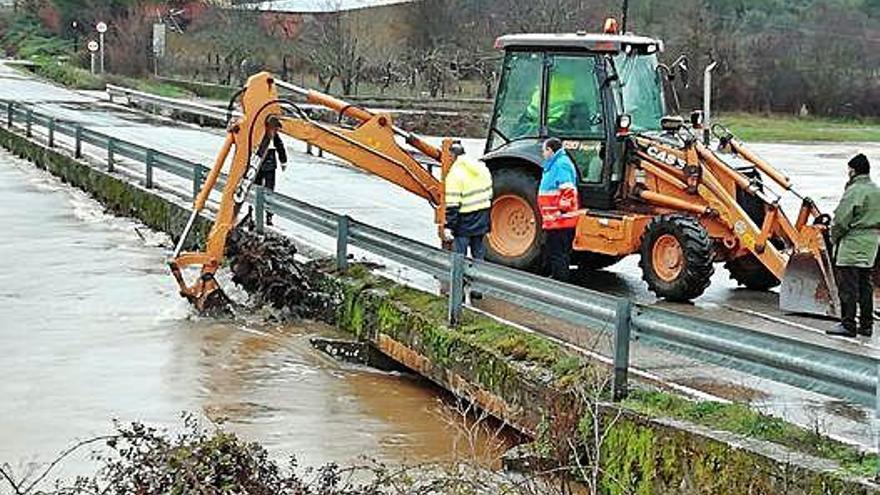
(265, 266)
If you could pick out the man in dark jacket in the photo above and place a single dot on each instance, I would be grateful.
(275, 154)
(856, 234)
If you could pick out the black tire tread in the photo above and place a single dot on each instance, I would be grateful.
(749, 272)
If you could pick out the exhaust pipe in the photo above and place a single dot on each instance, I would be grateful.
(707, 101)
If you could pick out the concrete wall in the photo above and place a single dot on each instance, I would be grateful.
(641, 455)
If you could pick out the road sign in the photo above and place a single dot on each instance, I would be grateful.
(93, 46)
(101, 27)
(159, 39)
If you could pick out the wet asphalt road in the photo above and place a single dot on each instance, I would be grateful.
(818, 170)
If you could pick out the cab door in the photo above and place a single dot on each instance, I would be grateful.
(575, 111)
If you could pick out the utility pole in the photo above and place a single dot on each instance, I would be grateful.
(74, 26)
(625, 14)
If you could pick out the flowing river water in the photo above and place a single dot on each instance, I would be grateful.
(92, 329)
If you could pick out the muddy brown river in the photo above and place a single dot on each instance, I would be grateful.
(92, 329)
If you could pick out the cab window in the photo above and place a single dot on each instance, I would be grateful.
(518, 103)
(587, 159)
(574, 108)
(640, 89)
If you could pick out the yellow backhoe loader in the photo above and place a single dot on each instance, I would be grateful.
(649, 185)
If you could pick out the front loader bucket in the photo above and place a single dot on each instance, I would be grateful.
(809, 286)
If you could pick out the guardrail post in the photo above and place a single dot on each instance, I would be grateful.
(309, 149)
(28, 121)
(148, 173)
(198, 177)
(51, 132)
(342, 225)
(456, 288)
(9, 112)
(78, 135)
(260, 208)
(877, 416)
(621, 348)
(111, 148)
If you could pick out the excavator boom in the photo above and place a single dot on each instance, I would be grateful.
(371, 145)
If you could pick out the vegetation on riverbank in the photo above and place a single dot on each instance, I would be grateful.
(743, 420)
(192, 458)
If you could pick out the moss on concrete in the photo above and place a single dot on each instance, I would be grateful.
(741, 419)
(705, 447)
(645, 457)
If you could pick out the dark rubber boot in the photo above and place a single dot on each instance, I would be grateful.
(841, 331)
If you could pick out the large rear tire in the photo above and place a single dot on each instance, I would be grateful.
(516, 238)
(677, 257)
(748, 271)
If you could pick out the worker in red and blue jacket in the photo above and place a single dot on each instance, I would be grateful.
(558, 202)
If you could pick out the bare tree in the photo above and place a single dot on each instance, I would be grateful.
(332, 44)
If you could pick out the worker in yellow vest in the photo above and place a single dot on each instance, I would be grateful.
(559, 100)
(468, 194)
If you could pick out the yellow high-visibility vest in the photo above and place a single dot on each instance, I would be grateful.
(468, 185)
(559, 99)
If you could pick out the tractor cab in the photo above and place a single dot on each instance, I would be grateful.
(576, 87)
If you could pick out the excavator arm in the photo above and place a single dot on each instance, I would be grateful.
(372, 145)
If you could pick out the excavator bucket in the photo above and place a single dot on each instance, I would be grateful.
(206, 294)
(214, 303)
(809, 285)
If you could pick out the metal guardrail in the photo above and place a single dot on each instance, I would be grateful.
(483, 105)
(837, 373)
(175, 104)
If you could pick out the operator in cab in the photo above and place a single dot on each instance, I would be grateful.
(558, 202)
(855, 231)
(468, 202)
(560, 100)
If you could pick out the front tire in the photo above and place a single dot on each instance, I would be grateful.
(751, 273)
(676, 257)
(516, 239)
